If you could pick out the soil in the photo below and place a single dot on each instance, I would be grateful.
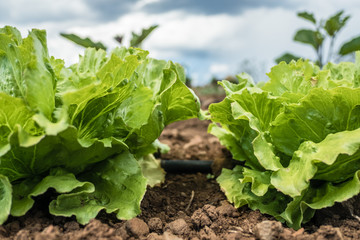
(186, 206)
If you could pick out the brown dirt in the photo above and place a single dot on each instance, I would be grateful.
(186, 206)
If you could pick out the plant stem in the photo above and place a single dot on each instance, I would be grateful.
(331, 48)
(319, 54)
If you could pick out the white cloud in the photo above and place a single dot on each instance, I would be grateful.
(35, 11)
(219, 69)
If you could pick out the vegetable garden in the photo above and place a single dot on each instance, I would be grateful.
(80, 144)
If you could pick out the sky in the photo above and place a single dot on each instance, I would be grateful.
(210, 38)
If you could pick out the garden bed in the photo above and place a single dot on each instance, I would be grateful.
(186, 206)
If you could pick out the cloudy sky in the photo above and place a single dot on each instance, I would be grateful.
(209, 37)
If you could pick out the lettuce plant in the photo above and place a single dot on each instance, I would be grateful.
(297, 139)
(82, 130)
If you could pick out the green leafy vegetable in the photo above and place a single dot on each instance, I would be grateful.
(297, 139)
(83, 130)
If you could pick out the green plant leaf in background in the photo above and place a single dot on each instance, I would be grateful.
(350, 46)
(84, 42)
(308, 16)
(136, 39)
(313, 38)
(335, 23)
(317, 37)
(286, 57)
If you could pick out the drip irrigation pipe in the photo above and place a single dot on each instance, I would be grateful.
(186, 166)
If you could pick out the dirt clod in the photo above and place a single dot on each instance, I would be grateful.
(154, 236)
(49, 233)
(179, 227)
(207, 234)
(200, 218)
(328, 232)
(137, 227)
(226, 209)
(155, 224)
(211, 211)
(268, 230)
(23, 234)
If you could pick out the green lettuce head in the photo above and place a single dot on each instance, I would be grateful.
(82, 130)
(297, 139)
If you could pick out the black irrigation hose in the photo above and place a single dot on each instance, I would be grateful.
(186, 166)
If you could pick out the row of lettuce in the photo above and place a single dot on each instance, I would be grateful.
(88, 131)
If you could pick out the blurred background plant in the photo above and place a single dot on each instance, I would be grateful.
(135, 41)
(324, 34)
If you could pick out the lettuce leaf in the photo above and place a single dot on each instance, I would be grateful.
(119, 187)
(296, 137)
(82, 130)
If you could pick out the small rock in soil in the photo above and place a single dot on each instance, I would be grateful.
(155, 224)
(179, 227)
(137, 227)
(268, 230)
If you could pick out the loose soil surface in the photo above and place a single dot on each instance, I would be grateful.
(186, 206)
